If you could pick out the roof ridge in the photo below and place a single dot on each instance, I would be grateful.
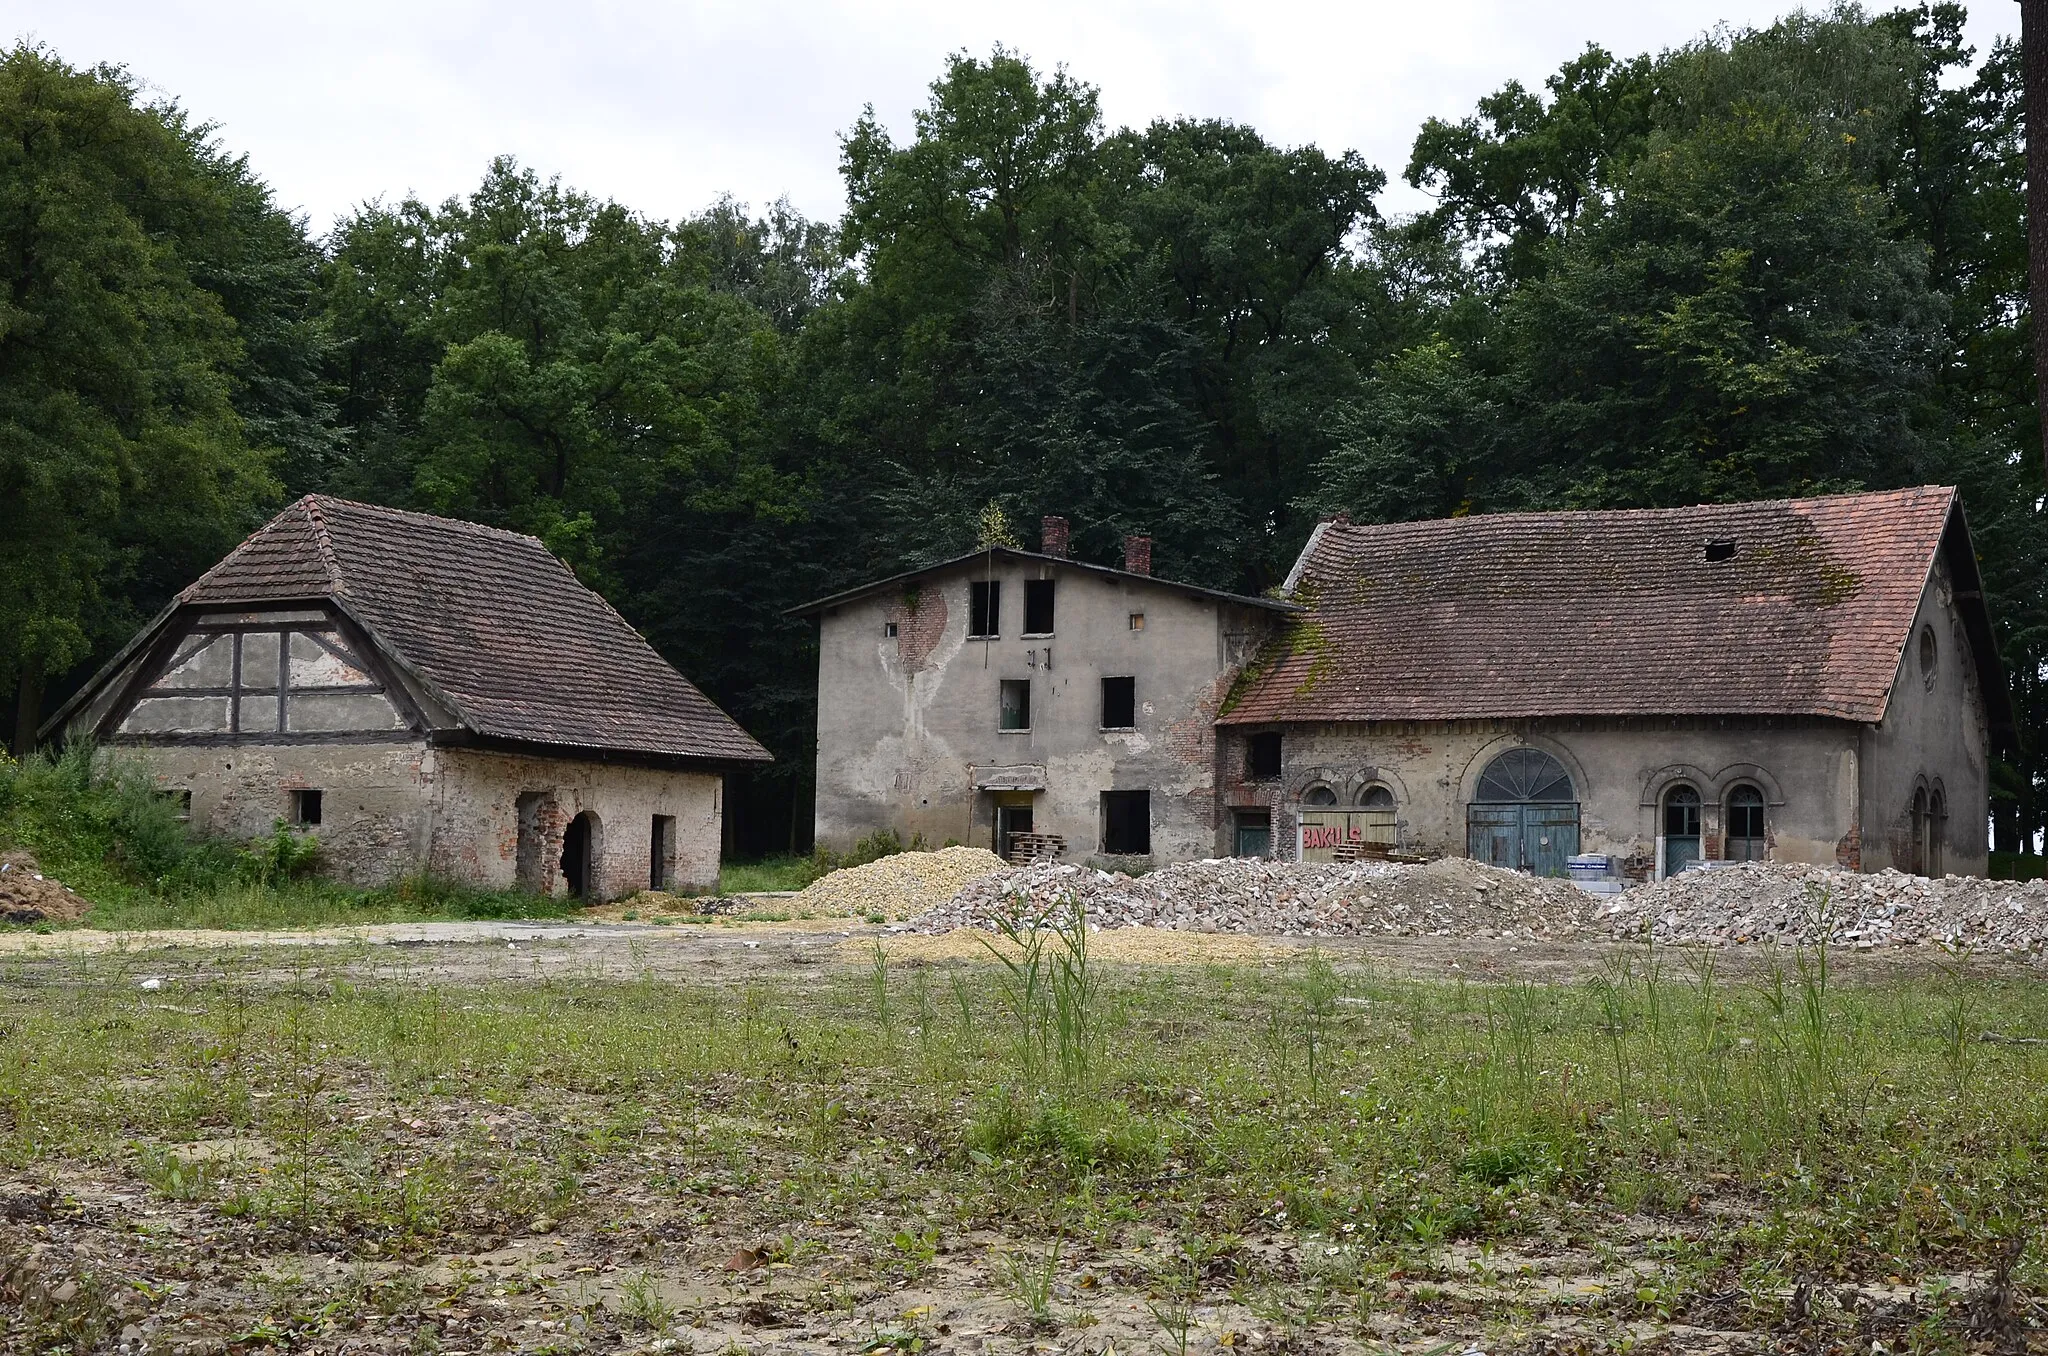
(421, 514)
(328, 561)
(1669, 511)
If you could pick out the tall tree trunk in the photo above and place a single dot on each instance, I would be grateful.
(2034, 59)
(28, 709)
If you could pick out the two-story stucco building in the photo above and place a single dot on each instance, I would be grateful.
(1013, 691)
(1805, 680)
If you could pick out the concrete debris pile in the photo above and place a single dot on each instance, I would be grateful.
(28, 896)
(899, 885)
(1449, 898)
(1792, 904)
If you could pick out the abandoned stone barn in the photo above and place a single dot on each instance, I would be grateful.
(1801, 680)
(428, 696)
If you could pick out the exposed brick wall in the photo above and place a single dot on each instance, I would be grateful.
(920, 620)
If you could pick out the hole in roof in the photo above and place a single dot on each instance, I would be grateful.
(1721, 548)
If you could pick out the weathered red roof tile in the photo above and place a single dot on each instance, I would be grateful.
(1607, 613)
(492, 619)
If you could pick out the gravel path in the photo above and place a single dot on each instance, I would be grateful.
(1448, 898)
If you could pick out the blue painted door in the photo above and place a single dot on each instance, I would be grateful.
(1537, 838)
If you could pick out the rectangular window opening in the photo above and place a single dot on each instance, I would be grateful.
(1262, 757)
(1127, 823)
(1137, 621)
(180, 801)
(985, 608)
(1013, 711)
(1119, 703)
(661, 865)
(1254, 833)
(306, 808)
(889, 629)
(1038, 607)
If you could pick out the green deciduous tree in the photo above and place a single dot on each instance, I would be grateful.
(132, 403)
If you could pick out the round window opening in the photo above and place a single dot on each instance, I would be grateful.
(1319, 795)
(1928, 654)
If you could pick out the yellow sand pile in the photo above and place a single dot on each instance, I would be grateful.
(898, 886)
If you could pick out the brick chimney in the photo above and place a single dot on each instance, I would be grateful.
(1138, 555)
(1053, 535)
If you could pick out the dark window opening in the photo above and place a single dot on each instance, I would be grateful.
(1013, 711)
(1745, 825)
(889, 629)
(1722, 549)
(661, 864)
(1119, 703)
(180, 802)
(985, 608)
(1254, 833)
(306, 808)
(1137, 621)
(1127, 823)
(1937, 833)
(1262, 757)
(1038, 607)
(579, 856)
(1319, 796)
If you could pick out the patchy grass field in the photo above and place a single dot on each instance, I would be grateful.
(885, 1155)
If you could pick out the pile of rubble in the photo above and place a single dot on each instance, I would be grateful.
(1790, 903)
(899, 885)
(28, 896)
(1449, 898)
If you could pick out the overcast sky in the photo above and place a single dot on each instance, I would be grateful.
(666, 105)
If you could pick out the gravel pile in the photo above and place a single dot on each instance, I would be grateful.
(28, 896)
(1449, 898)
(1790, 903)
(899, 885)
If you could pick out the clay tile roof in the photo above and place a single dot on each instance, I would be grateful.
(1607, 613)
(500, 628)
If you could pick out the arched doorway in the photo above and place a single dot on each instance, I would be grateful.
(1681, 828)
(1524, 814)
(579, 856)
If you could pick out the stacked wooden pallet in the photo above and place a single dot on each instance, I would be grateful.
(1026, 848)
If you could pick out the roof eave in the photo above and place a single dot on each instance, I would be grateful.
(818, 605)
(468, 738)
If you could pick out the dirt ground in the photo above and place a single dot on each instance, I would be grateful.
(659, 1271)
(742, 952)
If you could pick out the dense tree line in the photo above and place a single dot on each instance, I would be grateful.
(1788, 260)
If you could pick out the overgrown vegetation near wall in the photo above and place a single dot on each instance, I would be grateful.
(106, 832)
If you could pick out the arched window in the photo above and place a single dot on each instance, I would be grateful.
(1524, 814)
(1916, 834)
(1932, 855)
(1525, 775)
(1376, 816)
(1745, 812)
(1319, 796)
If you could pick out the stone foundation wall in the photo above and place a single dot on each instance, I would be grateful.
(392, 810)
